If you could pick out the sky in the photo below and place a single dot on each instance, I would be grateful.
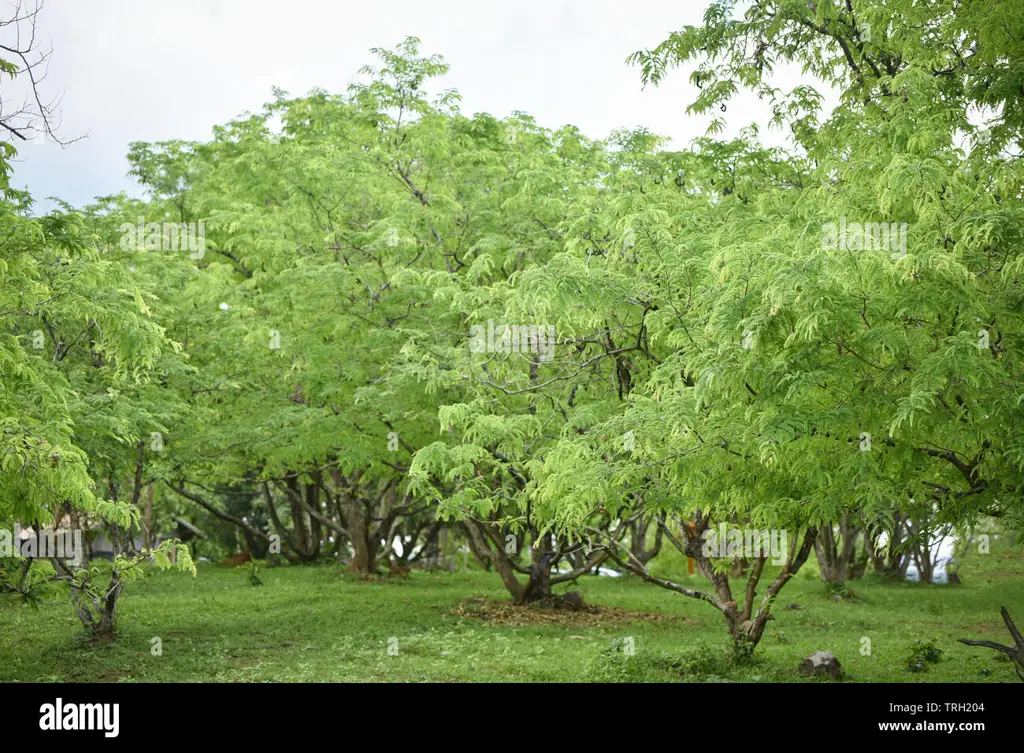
(152, 70)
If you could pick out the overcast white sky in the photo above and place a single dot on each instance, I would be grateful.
(150, 70)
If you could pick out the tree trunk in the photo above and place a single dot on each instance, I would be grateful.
(96, 609)
(147, 518)
(538, 587)
(746, 626)
(498, 557)
(106, 628)
(364, 560)
(638, 541)
(891, 562)
(481, 555)
(836, 550)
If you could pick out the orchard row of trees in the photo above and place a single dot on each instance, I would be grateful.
(286, 333)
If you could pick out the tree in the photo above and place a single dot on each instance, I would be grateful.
(804, 379)
(78, 348)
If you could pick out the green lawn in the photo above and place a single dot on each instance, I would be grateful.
(313, 624)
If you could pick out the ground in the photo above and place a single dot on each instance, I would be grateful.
(316, 624)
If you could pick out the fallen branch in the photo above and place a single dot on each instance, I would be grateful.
(1016, 652)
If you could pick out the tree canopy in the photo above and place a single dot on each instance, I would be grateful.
(368, 308)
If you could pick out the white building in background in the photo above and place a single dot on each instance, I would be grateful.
(98, 546)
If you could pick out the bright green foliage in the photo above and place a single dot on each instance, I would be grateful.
(716, 338)
(768, 373)
(917, 346)
(78, 350)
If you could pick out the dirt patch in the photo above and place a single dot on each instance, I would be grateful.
(506, 613)
(987, 628)
(104, 675)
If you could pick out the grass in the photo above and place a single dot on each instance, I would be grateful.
(313, 624)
